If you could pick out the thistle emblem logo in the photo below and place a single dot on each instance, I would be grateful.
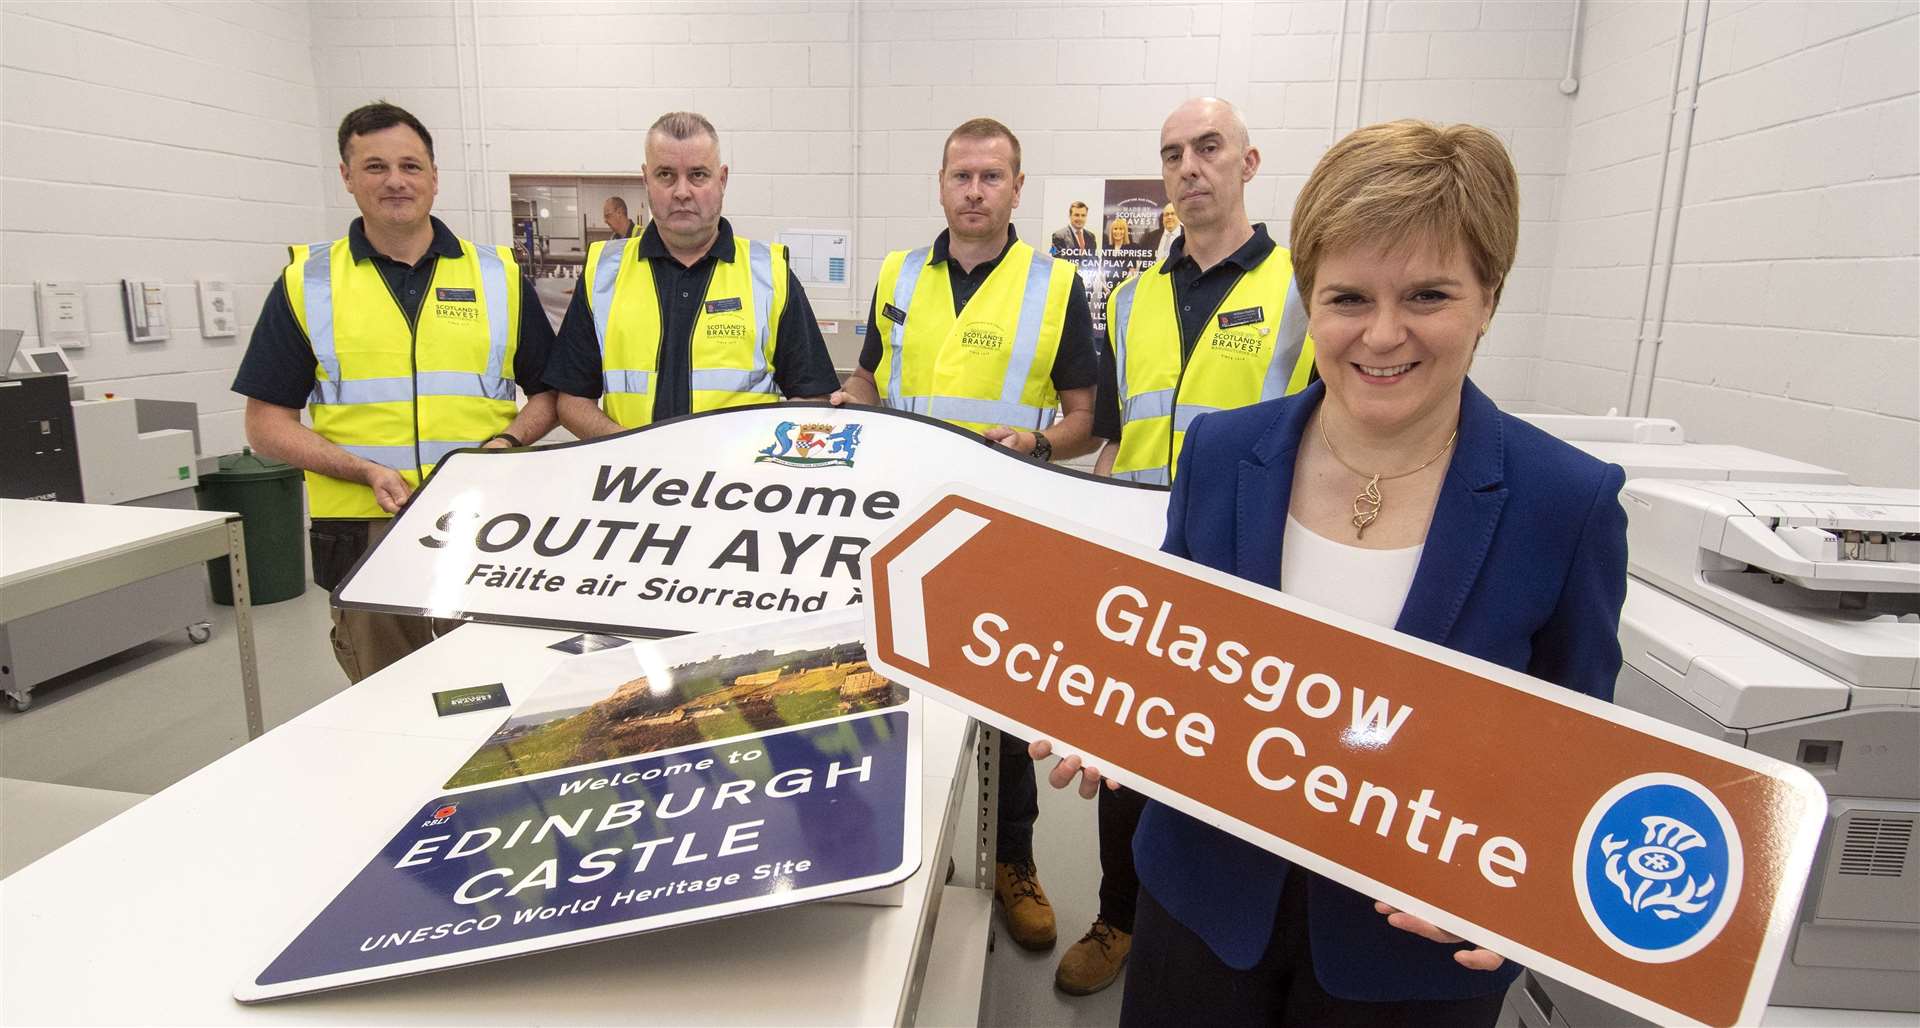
(1660, 862)
(1657, 867)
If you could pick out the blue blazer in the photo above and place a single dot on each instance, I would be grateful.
(1525, 565)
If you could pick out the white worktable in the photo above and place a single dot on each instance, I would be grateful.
(154, 917)
(55, 553)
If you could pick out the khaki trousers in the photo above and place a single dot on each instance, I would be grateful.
(364, 641)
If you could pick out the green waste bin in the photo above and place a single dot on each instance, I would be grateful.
(268, 495)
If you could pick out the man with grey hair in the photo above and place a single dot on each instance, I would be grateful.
(686, 317)
(1215, 324)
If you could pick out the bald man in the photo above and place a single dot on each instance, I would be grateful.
(1214, 325)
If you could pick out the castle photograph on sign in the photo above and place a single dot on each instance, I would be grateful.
(665, 694)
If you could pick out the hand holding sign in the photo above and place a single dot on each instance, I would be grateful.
(1069, 768)
(1476, 959)
(1659, 874)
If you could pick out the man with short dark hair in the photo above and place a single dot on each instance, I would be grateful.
(687, 317)
(614, 213)
(1075, 240)
(981, 331)
(403, 342)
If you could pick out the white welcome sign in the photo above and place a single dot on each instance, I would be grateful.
(699, 523)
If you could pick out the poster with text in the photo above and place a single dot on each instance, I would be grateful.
(1109, 229)
(639, 788)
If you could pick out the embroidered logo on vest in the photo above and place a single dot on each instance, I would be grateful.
(983, 338)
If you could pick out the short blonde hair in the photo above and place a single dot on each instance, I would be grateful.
(1407, 182)
(982, 128)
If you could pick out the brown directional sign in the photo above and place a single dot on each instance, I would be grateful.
(1658, 871)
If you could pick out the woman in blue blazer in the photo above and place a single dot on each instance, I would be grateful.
(1392, 490)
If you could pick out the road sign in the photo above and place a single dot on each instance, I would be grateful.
(1659, 871)
(705, 522)
(645, 787)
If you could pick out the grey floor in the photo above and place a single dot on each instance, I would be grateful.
(145, 719)
(148, 717)
(1019, 987)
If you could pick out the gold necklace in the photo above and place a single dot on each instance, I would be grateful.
(1366, 505)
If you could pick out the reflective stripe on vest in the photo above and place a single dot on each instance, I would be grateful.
(630, 342)
(1161, 394)
(432, 451)
(1023, 396)
(399, 394)
(1146, 476)
(1119, 313)
(335, 388)
(895, 396)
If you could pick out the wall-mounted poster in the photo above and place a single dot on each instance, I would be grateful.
(641, 787)
(1109, 228)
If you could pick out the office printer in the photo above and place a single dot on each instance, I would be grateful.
(1658, 448)
(1766, 668)
(1785, 618)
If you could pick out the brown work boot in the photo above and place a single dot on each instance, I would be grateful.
(1029, 915)
(1095, 961)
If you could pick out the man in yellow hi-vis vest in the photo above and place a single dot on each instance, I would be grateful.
(403, 342)
(1217, 324)
(686, 316)
(982, 331)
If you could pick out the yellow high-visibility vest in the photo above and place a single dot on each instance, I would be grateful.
(1255, 347)
(734, 334)
(992, 364)
(399, 395)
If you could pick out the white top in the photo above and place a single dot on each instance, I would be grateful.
(1371, 585)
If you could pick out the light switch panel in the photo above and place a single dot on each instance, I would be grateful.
(217, 316)
(146, 307)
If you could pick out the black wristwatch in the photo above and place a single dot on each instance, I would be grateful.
(1042, 448)
(511, 440)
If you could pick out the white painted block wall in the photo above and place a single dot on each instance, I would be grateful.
(145, 140)
(571, 87)
(1795, 290)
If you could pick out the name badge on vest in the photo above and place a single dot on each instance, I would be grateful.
(893, 314)
(455, 295)
(731, 303)
(1244, 316)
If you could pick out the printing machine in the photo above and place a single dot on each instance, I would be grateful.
(1783, 617)
(1658, 448)
(112, 450)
